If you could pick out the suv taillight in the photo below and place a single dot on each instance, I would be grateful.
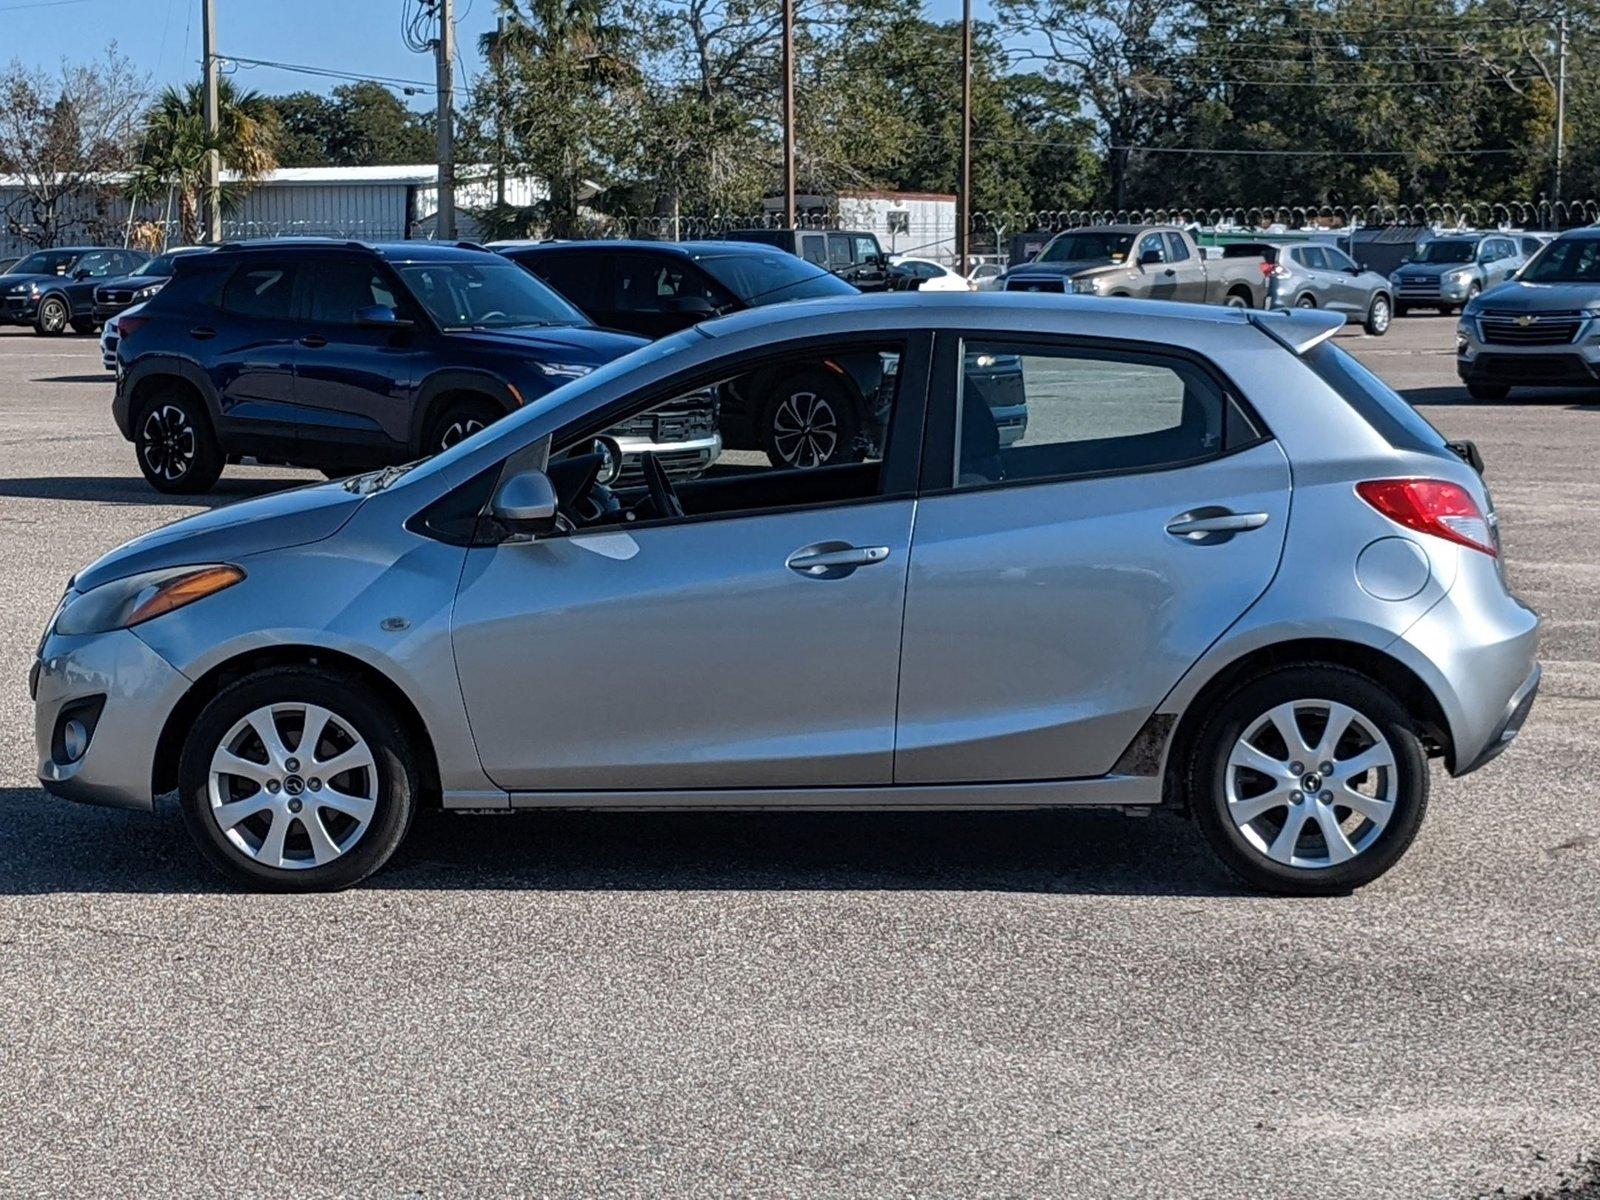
(1274, 270)
(127, 326)
(1434, 506)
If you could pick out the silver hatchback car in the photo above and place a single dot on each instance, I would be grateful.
(1225, 570)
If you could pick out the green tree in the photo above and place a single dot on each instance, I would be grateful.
(358, 125)
(176, 145)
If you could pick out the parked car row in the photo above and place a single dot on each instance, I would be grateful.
(54, 290)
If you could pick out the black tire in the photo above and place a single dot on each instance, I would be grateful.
(396, 782)
(1379, 314)
(459, 419)
(1491, 392)
(1237, 299)
(808, 421)
(1306, 301)
(82, 325)
(53, 316)
(173, 441)
(1244, 710)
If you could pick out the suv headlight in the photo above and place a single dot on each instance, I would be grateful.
(564, 370)
(124, 603)
(1084, 287)
(144, 293)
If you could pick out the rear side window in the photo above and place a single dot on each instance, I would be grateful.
(260, 291)
(1177, 249)
(580, 278)
(1376, 402)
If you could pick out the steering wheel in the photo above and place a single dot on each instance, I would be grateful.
(489, 316)
(662, 496)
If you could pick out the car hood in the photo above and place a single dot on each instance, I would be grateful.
(8, 283)
(233, 532)
(1057, 268)
(1519, 296)
(130, 281)
(583, 344)
(1432, 270)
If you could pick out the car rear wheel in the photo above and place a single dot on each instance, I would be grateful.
(809, 422)
(52, 316)
(173, 442)
(1378, 316)
(1310, 781)
(1306, 302)
(297, 779)
(1488, 391)
(459, 420)
(1237, 300)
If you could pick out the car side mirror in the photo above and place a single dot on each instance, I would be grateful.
(380, 316)
(80, 274)
(1150, 258)
(526, 503)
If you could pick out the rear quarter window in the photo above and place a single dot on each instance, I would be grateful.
(1379, 405)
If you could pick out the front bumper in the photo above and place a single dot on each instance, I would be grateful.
(687, 459)
(137, 690)
(1567, 364)
(19, 310)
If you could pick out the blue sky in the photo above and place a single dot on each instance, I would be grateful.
(162, 37)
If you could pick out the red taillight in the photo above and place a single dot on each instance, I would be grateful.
(126, 326)
(1273, 270)
(1433, 506)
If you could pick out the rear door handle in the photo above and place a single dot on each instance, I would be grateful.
(832, 560)
(315, 340)
(1204, 525)
(202, 332)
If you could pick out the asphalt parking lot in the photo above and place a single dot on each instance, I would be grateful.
(1073, 1004)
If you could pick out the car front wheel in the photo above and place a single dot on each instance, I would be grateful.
(1378, 316)
(297, 779)
(1310, 781)
(176, 449)
(459, 421)
(52, 316)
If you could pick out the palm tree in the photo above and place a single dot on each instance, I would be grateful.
(173, 158)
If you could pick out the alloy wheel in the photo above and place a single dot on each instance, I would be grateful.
(293, 786)
(168, 442)
(1311, 783)
(805, 429)
(1380, 315)
(53, 316)
(458, 431)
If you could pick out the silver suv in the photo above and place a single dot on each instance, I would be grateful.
(1317, 276)
(1224, 570)
(1449, 272)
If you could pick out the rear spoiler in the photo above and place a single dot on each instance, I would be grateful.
(1297, 329)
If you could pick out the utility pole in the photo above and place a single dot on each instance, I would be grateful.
(790, 218)
(208, 34)
(497, 64)
(964, 189)
(1561, 106)
(444, 48)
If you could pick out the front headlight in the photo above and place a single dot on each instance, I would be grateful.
(1592, 311)
(1394, 279)
(144, 293)
(564, 370)
(1460, 277)
(124, 603)
(1084, 287)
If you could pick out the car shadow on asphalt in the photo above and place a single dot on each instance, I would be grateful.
(112, 489)
(1574, 399)
(106, 378)
(50, 846)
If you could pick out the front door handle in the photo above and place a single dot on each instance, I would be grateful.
(834, 560)
(1209, 525)
(202, 332)
(314, 340)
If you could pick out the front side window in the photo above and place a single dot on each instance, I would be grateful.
(97, 264)
(1032, 414)
(486, 295)
(866, 248)
(1151, 246)
(265, 291)
(1338, 259)
(797, 429)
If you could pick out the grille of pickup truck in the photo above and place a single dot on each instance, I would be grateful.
(1530, 329)
(1036, 284)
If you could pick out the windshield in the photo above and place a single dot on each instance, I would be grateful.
(475, 295)
(1076, 247)
(161, 265)
(1568, 261)
(1447, 252)
(759, 279)
(46, 262)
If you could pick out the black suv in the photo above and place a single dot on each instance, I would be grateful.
(342, 355)
(54, 289)
(806, 414)
(852, 254)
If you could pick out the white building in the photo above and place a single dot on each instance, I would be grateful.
(917, 223)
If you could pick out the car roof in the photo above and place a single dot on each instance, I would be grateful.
(416, 251)
(1586, 233)
(709, 247)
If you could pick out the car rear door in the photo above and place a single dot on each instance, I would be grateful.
(1060, 586)
(1192, 275)
(248, 350)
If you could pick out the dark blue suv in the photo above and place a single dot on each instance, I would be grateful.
(339, 355)
(54, 289)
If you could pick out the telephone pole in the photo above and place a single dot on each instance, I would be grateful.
(1561, 106)
(789, 214)
(444, 48)
(964, 189)
(213, 205)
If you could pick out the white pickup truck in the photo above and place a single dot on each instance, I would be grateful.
(1151, 262)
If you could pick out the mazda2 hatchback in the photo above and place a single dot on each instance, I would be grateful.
(1225, 570)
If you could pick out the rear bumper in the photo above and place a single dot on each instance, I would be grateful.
(1517, 710)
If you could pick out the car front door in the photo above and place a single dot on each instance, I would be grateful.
(1160, 278)
(871, 267)
(1346, 291)
(248, 350)
(354, 384)
(713, 650)
(1055, 596)
(1191, 272)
